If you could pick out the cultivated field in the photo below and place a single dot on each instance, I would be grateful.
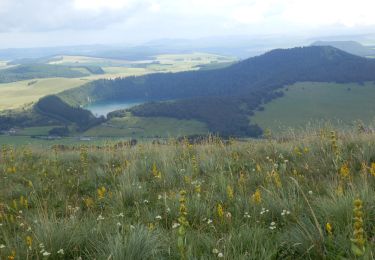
(17, 94)
(342, 104)
(310, 198)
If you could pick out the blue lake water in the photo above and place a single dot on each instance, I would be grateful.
(102, 108)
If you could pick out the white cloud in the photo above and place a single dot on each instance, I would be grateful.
(101, 4)
(181, 18)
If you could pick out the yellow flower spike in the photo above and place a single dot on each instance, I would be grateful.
(345, 171)
(101, 192)
(372, 169)
(220, 211)
(358, 240)
(29, 242)
(258, 168)
(230, 193)
(329, 228)
(256, 197)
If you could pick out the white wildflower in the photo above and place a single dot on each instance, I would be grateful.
(310, 192)
(61, 251)
(175, 225)
(45, 253)
(121, 215)
(215, 251)
(2, 246)
(220, 255)
(158, 217)
(100, 217)
(118, 224)
(209, 221)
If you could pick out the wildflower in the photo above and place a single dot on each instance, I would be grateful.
(285, 212)
(45, 253)
(230, 192)
(100, 217)
(220, 255)
(228, 215)
(329, 228)
(272, 225)
(118, 224)
(155, 172)
(12, 256)
(160, 197)
(101, 192)
(257, 197)
(2, 246)
(220, 210)
(358, 240)
(264, 211)
(310, 192)
(175, 225)
(89, 202)
(246, 215)
(372, 169)
(258, 168)
(132, 227)
(158, 217)
(215, 251)
(146, 202)
(29, 241)
(209, 221)
(60, 252)
(121, 215)
(344, 171)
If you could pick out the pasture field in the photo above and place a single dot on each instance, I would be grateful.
(316, 102)
(307, 198)
(142, 127)
(17, 94)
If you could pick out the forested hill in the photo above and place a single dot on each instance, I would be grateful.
(269, 71)
(248, 84)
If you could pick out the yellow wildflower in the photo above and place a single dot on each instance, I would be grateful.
(230, 192)
(101, 192)
(257, 197)
(29, 242)
(329, 228)
(372, 169)
(220, 211)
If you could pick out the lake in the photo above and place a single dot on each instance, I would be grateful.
(102, 108)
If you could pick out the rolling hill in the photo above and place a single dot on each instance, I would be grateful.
(225, 98)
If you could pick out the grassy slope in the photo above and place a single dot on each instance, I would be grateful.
(137, 127)
(311, 102)
(108, 204)
(17, 94)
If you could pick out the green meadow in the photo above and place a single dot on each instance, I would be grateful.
(307, 198)
(304, 103)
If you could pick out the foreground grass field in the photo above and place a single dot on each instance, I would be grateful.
(313, 102)
(308, 198)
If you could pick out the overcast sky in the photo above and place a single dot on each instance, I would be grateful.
(30, 23)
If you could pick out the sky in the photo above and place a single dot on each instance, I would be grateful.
(32, 23)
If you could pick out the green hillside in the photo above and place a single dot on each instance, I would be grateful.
(318, 102)
(225, 98)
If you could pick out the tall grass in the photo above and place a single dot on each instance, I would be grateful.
(289, 198)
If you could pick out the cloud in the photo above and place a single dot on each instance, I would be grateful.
(149, 19)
